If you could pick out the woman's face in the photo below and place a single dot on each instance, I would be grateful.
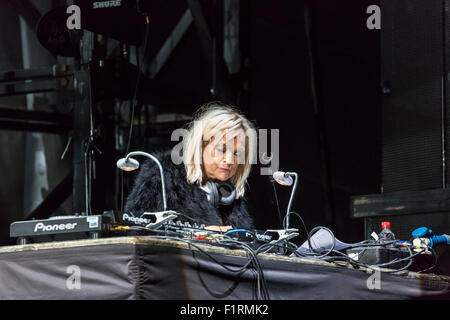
(222, 158)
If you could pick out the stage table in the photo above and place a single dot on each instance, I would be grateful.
(141, 267)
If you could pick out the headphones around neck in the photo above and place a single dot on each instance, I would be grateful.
(220, 192)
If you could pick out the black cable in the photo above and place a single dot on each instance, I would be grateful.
(375, 266)
(339, 256)
(310, 234)
(326, 254)
(276, 200)
(257, 266)
(121, 190)
(352, 261)
(373, 244)
(396, 260)
(87, 177)
(262, 288)
(139, 64)
(254, 261)
(301, 219)
(266, 246)
(435, 262)
(137, 82)
(190, 242)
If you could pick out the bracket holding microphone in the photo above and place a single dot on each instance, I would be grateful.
(283, 234)
(161, 218)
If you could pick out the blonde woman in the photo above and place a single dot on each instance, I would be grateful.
(209, 184)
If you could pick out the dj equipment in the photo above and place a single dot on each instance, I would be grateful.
(151, 220)
(254, 238)
(196, 231)
(220, 192)
(113, 224)
(93, 225)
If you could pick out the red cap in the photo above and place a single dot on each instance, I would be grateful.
(385, 224)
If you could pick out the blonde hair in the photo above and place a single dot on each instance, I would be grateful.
(214, 120)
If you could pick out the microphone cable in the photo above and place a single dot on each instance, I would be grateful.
(133, 104)
(139, 65)
(262, 292)
(272, 180)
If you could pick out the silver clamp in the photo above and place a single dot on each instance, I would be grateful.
(284, 234)
(161, 218)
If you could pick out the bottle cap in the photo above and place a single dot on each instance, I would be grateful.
(385, 224)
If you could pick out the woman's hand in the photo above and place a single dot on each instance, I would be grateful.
(218, 228)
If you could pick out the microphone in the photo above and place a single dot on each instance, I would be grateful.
(285, 179)
(130, 164)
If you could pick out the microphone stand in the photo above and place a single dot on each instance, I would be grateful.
(286, 234)
(163, 186)
(162, 216)
(294, 188)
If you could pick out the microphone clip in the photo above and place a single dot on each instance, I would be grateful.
(161, 218)
(284, 234)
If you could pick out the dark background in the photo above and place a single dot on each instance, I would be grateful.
(346, 54)
(334, 145)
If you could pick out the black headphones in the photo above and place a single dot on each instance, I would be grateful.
(220, 192)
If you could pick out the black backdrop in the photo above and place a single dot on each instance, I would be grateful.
(336, 148)
(347, 70)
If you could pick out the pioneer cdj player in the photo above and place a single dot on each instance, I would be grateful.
(91, 226)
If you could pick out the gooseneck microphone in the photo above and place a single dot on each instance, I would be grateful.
(285, 179)
(130, 164)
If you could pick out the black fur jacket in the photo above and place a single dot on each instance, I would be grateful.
(182, 197)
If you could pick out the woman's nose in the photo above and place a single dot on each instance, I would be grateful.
(227, 158)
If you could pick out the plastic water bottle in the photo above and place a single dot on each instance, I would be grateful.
(386, 234)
